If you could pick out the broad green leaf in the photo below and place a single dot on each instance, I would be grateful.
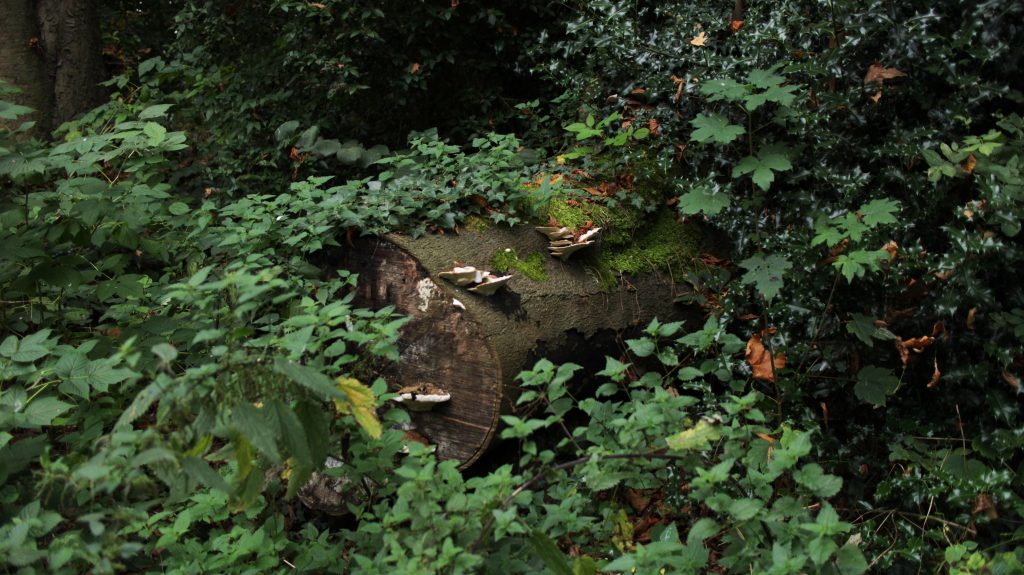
(855, 264)
(201, 471)
(553, 557)
(643, 347)
(874, 384)
(142, 402)
(820, 549)
(850, 560)
(360, 402)
(157, 133)
(862, 327)
(706, 199)
(309, 378)
(878, 212)
(28, 349)
(254, 424)
(765, 273)
(723, 89)
(154, 111)
(179, 208)
(285, 130)
(746, 508)
(165, 351)
(697, 437)
(715, 129)
(814, 478)
(43, 410)
(704, 527)
(763, 166)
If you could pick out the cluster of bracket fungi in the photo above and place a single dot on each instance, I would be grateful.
(564, 242)
(481, 282)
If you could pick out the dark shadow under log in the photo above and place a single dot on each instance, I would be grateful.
(473, 346)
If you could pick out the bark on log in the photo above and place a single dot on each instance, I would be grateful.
(474, 346)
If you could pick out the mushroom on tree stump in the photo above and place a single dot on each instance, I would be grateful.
(473, 346)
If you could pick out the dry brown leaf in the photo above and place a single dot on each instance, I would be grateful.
(735, 25)
(901, 349)
(892, 248)
(935, 376)
(760, 359)
(1012, 380)
(876, 96)
(679, 82)
(636, 500)
(699, 39)
(970, 318)
(945, 275)
(939, 330)
(416, 66)
(824, 412)
(969, 164)
(317, 5)
(983, 504)
(919, 343)
(878, 73)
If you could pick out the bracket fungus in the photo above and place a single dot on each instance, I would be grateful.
(422, 396)
(563, 242)
(480, 281)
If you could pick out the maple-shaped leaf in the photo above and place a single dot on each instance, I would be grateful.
(704, 198)
(855, 264)
(715, 128)
(765, 273)
(699, 39)
(780, 94)
(762, 167)
(879, 212)
(723, 89)
(879, 73)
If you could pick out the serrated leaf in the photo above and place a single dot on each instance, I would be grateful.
(553, 557)
(142, 402)
(643, 347)
(697, 437)
(862, 327)
(706, 199)
(763, 166)
(154, 111)
(360, 402)
(715, 128)
(28, 349)
(43, 410)
(201, 471)
(745, 508)
(723, 89)
(874, 384)
(814, 478)
(850, 560)
(878, 212)
(765, 273)
(309, 378)
(255, 426)
(704, 527)
(156, 133)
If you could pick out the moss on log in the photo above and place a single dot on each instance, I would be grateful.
(473, 346)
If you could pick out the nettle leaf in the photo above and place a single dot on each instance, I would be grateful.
(704, 198)
(814, 478)
(715, 128)
(874, 384)
(44, 410)
(745, 508)
(765, 273)
(723, 89)
(762, 167)
(29, 348)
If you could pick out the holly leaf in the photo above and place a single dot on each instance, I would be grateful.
(715, 128)
(762, 167)
(765, 273)
(874, 384)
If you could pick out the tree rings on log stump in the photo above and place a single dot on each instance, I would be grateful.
(473, 346)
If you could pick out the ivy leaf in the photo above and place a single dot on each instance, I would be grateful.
(715, 128)
(874, 384)
(765, 273)
(360, 402)
(704, 198)
(762, 168)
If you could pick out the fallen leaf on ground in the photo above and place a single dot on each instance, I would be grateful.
(760, 360)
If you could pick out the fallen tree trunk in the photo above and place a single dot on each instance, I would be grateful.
(473, 346)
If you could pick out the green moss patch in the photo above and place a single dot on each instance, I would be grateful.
(617, 225)
(661, 245)
(532, 266)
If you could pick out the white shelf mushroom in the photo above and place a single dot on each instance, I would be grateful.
(562, 240)
(422, 397)
(480, 281)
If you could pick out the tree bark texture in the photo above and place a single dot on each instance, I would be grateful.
(473, 346)
(51, 50)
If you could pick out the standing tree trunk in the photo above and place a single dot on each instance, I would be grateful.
(50, 49)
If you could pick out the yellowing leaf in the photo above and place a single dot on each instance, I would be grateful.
(761, 361)
(696, 437)
(361, 404)
(699, 39)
